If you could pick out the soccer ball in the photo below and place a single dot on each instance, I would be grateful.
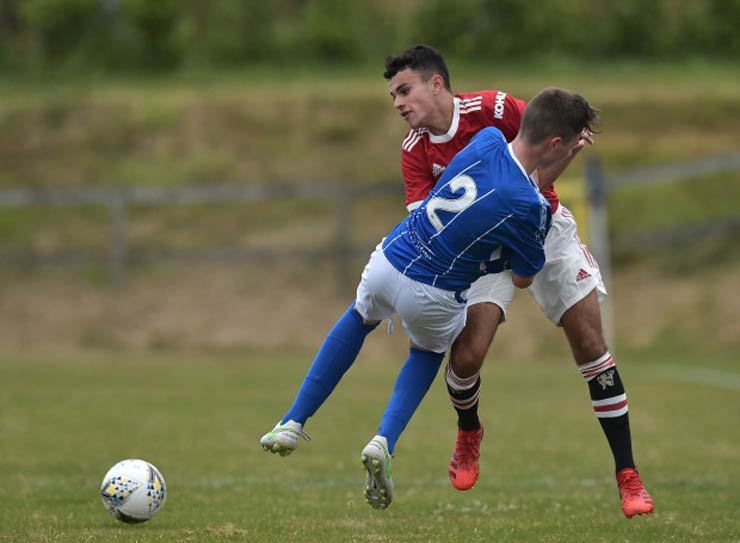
(133, 491)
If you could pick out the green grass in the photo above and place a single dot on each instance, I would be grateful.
(546, 470)
(324, 125)
(328, 125)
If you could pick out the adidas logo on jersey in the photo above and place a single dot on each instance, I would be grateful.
(437, 169)
(582, 274)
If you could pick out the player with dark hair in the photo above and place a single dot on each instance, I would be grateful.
(485, 214)
(567, 289)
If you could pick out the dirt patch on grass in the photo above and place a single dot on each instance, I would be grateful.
(287, 307)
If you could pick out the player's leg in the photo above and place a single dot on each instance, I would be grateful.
(433, 318)
(488, 299)
(462, 377)
(466, 360)
(582, 325)
(568, 289)
(337, 353)
(412, 384)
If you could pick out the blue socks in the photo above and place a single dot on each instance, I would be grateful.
(336, 355)
(412, 384)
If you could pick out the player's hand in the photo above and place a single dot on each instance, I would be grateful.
(586, 137)
(547, 176)
(521, 282)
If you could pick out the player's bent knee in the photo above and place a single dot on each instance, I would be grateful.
(466, 360)
(587, 343)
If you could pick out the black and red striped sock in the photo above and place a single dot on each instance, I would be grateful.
(610, 405)
(464, 393)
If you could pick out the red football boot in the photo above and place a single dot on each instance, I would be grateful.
(464, 466)
(635, 499)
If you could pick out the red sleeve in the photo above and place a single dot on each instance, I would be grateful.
(417, 176)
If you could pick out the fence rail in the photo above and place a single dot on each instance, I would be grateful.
(600, 186)
(673, 172)
(118, 200)
(186, 194)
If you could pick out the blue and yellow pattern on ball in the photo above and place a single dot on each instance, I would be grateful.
(133, 491)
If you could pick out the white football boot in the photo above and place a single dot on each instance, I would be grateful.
(379, 481)
(284, 438)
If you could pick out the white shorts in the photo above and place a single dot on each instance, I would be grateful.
(432, 317)
(495, 288)
(570, 273)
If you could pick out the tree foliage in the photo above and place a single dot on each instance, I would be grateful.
(144, 35)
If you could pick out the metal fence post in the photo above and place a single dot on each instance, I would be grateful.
(599, 237)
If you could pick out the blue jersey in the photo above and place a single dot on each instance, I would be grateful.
(483, 214)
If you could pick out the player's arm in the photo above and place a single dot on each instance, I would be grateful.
(526, 256)
(509, 123)
(527, 246)
(525, 263)
(510, 260)
(547, 176)
(521, 282)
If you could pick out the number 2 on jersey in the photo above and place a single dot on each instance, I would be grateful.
(470, 193)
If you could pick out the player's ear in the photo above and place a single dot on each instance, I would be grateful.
(553, 142)
(437, 84)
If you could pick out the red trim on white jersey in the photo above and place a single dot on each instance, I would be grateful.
(584, 248)
(589, 258)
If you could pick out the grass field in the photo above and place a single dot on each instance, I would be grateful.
(333, 126)
(117, 388)
(546, 470)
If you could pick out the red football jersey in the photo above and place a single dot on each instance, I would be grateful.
(425, 156)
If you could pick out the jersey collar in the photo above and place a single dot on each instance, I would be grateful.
(516, 160)
(444, 138)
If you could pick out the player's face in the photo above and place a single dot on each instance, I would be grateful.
(412, 97)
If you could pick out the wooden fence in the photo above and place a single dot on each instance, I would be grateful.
(118, 202)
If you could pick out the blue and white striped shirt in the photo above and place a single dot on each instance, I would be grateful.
(483, 214)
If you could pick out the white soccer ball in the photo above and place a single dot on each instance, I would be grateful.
(133, 491)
